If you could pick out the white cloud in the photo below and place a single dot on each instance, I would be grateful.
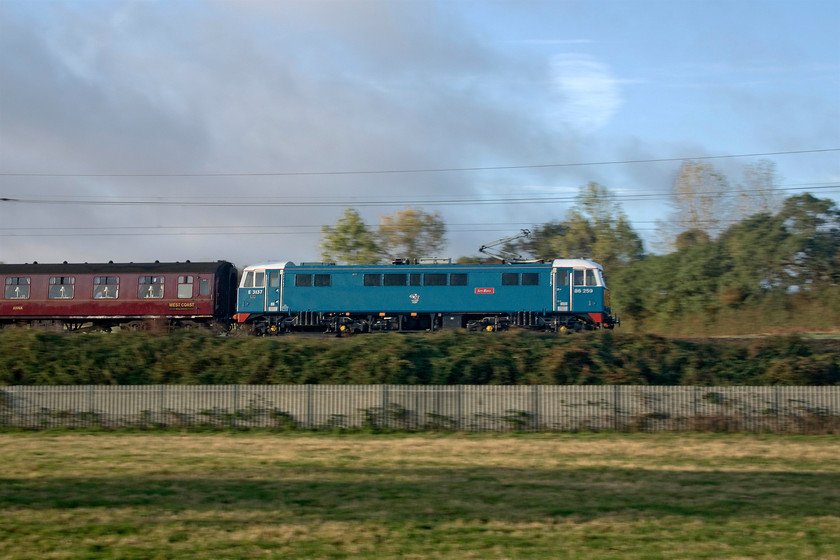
(588, 95)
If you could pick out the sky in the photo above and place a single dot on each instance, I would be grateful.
(172, 130)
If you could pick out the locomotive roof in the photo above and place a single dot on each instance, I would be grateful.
(113, 268)
(557, 263)
(575, 263)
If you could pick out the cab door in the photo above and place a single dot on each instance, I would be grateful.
(274, 291)
(561, 282)
(586, 295)
(252, 293)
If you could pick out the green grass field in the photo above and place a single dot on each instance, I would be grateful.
(69, 495)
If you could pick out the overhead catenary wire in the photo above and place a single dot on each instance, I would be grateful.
(373, 202)
(425, 170)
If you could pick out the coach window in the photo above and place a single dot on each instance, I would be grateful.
(510, 278)
(303, 280)
(106, 287)
(323, 280)
(434, 279)
(530, 279)
(373, 280)
(17, 288)
(150, 287)
(61, 287)
(204, 286)
(415, 279)
(459, 279)
(395, 280)
(185, 287)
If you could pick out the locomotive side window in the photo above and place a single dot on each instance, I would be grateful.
(17, 287)
(274, 279)
(303, 280)
(415, 279)
(530, 279)
(396, 279)
(61, 287)
(510, 278)
(458, 279)
(150, 287)
(106, 287)
(373, 280)
(323, 280)
(185, 287)
(434, 279)
(204, 286)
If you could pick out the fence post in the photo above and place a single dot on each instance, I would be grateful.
(90, 406)
(536, 406)
(616, 395)
(386, 422)
(778, 406)
(235, 405)
(459, 408)
(309, 406)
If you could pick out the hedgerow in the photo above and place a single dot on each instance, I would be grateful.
(31, 357)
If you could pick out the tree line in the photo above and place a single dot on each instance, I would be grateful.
(735, 257)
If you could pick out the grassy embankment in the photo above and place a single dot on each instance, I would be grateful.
(582, 497)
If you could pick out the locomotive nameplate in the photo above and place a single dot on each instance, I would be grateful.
(485, 290)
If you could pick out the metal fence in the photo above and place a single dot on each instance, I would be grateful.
(408, 407)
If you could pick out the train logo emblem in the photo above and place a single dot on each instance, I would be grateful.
(415, 298)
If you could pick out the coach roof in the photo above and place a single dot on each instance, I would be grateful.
(113, 268)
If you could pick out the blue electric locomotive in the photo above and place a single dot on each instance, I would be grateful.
(564, 294)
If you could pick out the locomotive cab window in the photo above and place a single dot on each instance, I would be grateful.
(585, 277)
(61, 287)
(254, 279)
(150, 287)
(17, 287)
(185, 287)
(274, 279)
(106, 287)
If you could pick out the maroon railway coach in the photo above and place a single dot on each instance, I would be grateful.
(134, 295)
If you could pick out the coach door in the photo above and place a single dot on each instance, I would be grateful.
(561, 281)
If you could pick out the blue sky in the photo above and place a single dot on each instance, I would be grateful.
(146, 102)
